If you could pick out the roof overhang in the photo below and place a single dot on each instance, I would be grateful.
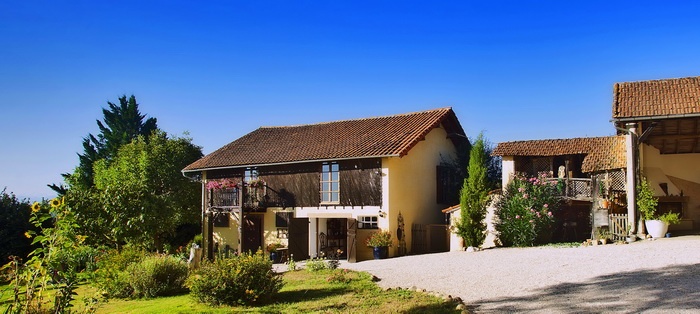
(185, 172)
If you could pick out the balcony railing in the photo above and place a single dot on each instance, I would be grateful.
(253, 199)
(574, 188)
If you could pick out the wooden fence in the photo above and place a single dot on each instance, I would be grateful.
(618, 227)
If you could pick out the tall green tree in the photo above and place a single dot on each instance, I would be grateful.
(121, 124)
(474, 196)
(140, 194)
(14, 222)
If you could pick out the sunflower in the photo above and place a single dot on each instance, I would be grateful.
(55, 202)
(36, 207)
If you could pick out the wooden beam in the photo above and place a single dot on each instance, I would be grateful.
(675, 137)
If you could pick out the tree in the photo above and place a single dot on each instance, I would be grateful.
(14, 222)
(121, 124)
(474, 196)
(141, 195)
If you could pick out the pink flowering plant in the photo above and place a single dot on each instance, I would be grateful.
(526, 211)
(221, 184)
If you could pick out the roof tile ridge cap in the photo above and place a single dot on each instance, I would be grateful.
(663, 80)
(445, 109)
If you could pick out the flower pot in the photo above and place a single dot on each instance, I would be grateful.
(381, 252)
(656, 228)
(604, 203)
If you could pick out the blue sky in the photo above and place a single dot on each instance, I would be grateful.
(220, 69)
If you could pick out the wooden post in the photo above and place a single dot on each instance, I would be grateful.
(352, 235)
(240, 219)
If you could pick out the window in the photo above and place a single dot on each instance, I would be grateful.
(367, 222)
(250, 175)
(330, 183)
(282, 219)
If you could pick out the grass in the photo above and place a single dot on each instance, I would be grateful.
(303, 292)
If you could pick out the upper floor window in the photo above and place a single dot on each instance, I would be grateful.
(250, 175)
(330, 183)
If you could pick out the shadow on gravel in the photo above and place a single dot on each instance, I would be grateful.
(669, 288)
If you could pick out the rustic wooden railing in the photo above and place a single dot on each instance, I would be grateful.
(575, 188)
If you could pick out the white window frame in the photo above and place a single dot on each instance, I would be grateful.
(330, 183)
(367, 222)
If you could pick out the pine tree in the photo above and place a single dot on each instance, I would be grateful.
(474, 196)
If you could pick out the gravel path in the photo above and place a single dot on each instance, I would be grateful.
(661, 276)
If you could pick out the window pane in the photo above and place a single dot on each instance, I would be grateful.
(334, 167)
(325, 187)
(335, 176)
(325, 197)
(325, 168)
(334, 186)
(334, 197)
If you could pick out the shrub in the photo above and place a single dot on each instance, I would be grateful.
(525, 212)
(157, 275)
(112, 276)
(316, 264)
(339, 276)
(244, 279)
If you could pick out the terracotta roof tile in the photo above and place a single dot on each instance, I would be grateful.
(368, 137)
(656, 98)
(602, 153)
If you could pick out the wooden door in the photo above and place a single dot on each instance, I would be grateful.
(252, 232)
(298, 233)
(352, 246)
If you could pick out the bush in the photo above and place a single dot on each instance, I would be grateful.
(244, 279)
(112, 276)
(526, 211)
(316, 264)
(157, 275)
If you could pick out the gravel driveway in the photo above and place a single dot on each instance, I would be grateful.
(660, 276)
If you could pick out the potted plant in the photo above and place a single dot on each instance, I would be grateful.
(380, 241)
(657, 225)
(272, 249)
(602, 235)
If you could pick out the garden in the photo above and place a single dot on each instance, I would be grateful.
(63, 274)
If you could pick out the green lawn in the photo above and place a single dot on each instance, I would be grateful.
(303, 292)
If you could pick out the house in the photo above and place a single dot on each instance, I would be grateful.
(663, 118)
(658, 136)
(324, 188)
(591, 168)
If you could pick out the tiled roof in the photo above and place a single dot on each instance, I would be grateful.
(360, 138)
(602, 153)
(656, 98)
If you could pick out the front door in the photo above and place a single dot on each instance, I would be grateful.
(299, 238)
(252, 232)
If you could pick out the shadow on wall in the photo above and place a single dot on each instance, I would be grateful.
(669, 289)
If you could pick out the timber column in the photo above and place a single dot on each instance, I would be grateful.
(631, 147)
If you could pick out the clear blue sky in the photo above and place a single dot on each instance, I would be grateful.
(220, 69)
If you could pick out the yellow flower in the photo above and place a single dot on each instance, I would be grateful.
(36, 207)
(26, 234)
(56, 202)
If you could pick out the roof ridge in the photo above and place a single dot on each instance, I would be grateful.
(660, 80)
(564, 139)
(358, 119)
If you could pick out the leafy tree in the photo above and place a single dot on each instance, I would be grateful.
(121, 124)
(14, 222)
(474, 197)
(141, 193)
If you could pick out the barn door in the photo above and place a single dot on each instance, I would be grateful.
(252, 233)
(352, 247)
(298, 233)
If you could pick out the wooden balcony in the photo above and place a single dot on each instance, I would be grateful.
(575, 188)
(247, 198)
